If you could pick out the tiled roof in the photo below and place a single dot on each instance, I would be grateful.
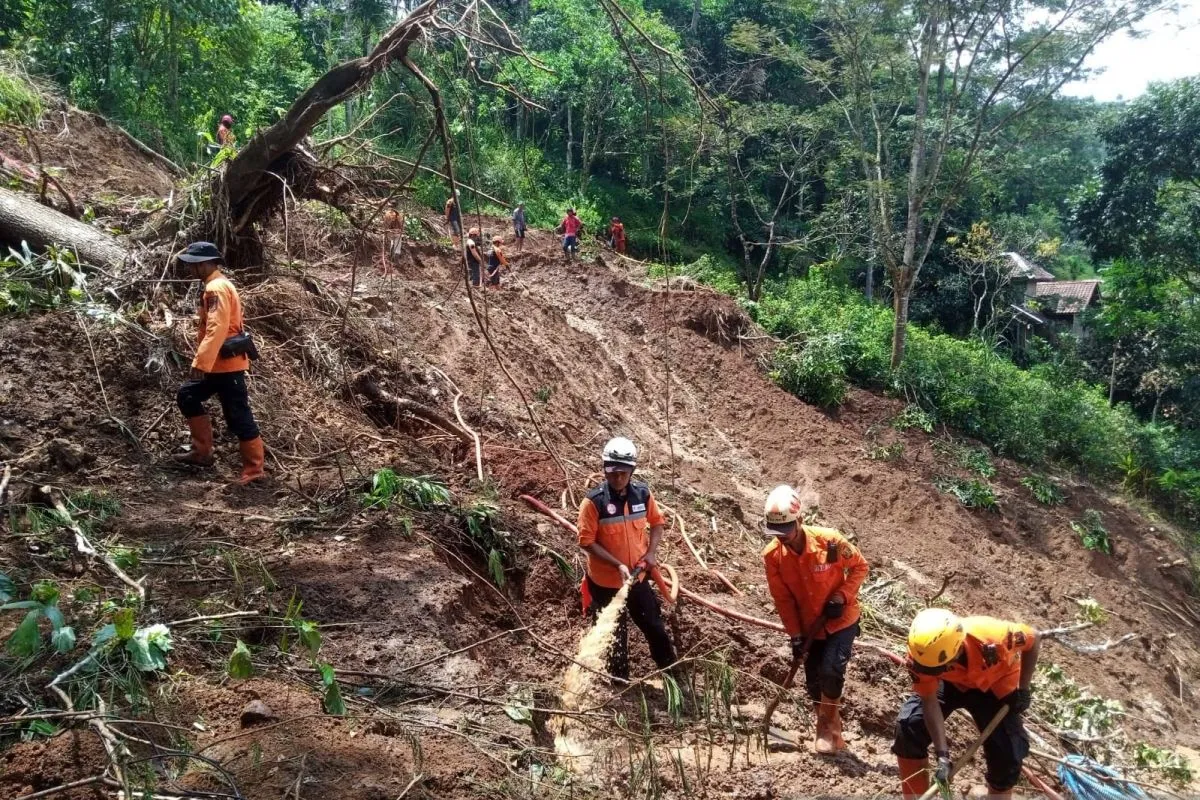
(1069, 297)
(1026, 269)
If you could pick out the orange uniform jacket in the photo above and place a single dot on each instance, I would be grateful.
(800, 583)
(993, 654)
(220, 318)
(622, 529)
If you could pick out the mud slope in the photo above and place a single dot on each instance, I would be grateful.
(410, 621)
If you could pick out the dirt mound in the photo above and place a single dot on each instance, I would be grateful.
(447, 674)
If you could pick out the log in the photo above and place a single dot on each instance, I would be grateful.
(23, 219)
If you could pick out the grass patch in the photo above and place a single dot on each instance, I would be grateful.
(1044, 490)
(20, 100)
(972, 493)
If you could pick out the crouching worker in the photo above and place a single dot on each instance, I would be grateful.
(620, 526)
(222, 357)
(978, 664)
(814, 575)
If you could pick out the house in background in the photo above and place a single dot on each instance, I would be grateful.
(1048, 305)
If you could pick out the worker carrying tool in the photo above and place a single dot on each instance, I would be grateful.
(980, 664)
(223, 355)
(814, 575)
(620, 526)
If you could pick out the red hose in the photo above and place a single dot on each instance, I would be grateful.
(551, 513)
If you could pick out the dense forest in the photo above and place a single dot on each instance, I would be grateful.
(859, 173)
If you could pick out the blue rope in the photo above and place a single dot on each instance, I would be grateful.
(1081, 777)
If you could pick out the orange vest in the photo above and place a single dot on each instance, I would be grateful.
(220, 318)
(993, 650)
(619, 525)
(800, 583)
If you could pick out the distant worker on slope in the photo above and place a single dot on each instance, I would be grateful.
(474, 256)
(393, 238)
(620, 526)
(979, 664)
(223, 355)
(616, 235)
(225, 135)
(518, 218)
(814, 575)
(495, 261)
(453, 220)
(570, 227)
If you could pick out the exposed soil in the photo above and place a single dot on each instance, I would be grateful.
(598, 349)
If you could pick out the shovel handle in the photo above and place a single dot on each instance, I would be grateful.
(809, 635)
(962, 760)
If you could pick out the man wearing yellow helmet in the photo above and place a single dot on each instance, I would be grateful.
(979, 664)
(814, 575)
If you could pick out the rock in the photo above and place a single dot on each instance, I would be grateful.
(69, 456)
(255, 712)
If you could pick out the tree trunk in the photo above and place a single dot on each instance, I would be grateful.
(900, 328)
(695, 17)
(570, 137)
(23, 219)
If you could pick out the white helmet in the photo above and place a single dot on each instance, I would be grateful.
(782, 509)
(620, 450)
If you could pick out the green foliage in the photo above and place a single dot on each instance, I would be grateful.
(913, 417)
(814, 371)
(1044, 490)
(1173, 766)
(1092, 532)
(240, 665)
(20, 101)
(1090, 610)
(26, 640)
(542, 395)
(331, 698)
(886, 452)
(1063, 703)
(971, 493)
(483, 535)
(31, 282)
(975, 459)
(420, 493)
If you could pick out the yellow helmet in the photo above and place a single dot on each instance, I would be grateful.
(935, 638)
(782, 509)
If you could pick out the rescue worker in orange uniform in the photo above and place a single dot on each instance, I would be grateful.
(978, 664)
(814, 575)
(620, 526)
(218, 369)
(616, 235)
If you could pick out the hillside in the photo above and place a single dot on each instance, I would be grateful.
(409, 618)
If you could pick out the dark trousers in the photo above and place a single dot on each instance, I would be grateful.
(646, 612)
(473, 271)
(1004, 750)
(825, 665)
(230, 389)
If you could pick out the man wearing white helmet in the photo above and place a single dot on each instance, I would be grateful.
(814, 575)
(620, 526)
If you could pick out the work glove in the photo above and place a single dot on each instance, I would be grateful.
(834, 607)
(797, 646)
(942, 773)
(1021, 700)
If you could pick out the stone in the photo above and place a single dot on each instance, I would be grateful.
(256, 712)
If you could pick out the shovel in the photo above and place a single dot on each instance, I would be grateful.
(809, 635)
(970, 751)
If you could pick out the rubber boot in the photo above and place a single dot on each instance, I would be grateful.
(824, 744)
(835, 723)
(252, 461)
(914, 777)
(201, 454)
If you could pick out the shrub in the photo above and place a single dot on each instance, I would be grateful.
(1092, 532)
(1044, 490)
(813, 371)
(972, 494)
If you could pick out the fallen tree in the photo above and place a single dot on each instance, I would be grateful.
(274, 162)
(23, 219)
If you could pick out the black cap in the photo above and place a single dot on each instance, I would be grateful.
(198, 252)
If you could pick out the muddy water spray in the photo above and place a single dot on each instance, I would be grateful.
(580, 679)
